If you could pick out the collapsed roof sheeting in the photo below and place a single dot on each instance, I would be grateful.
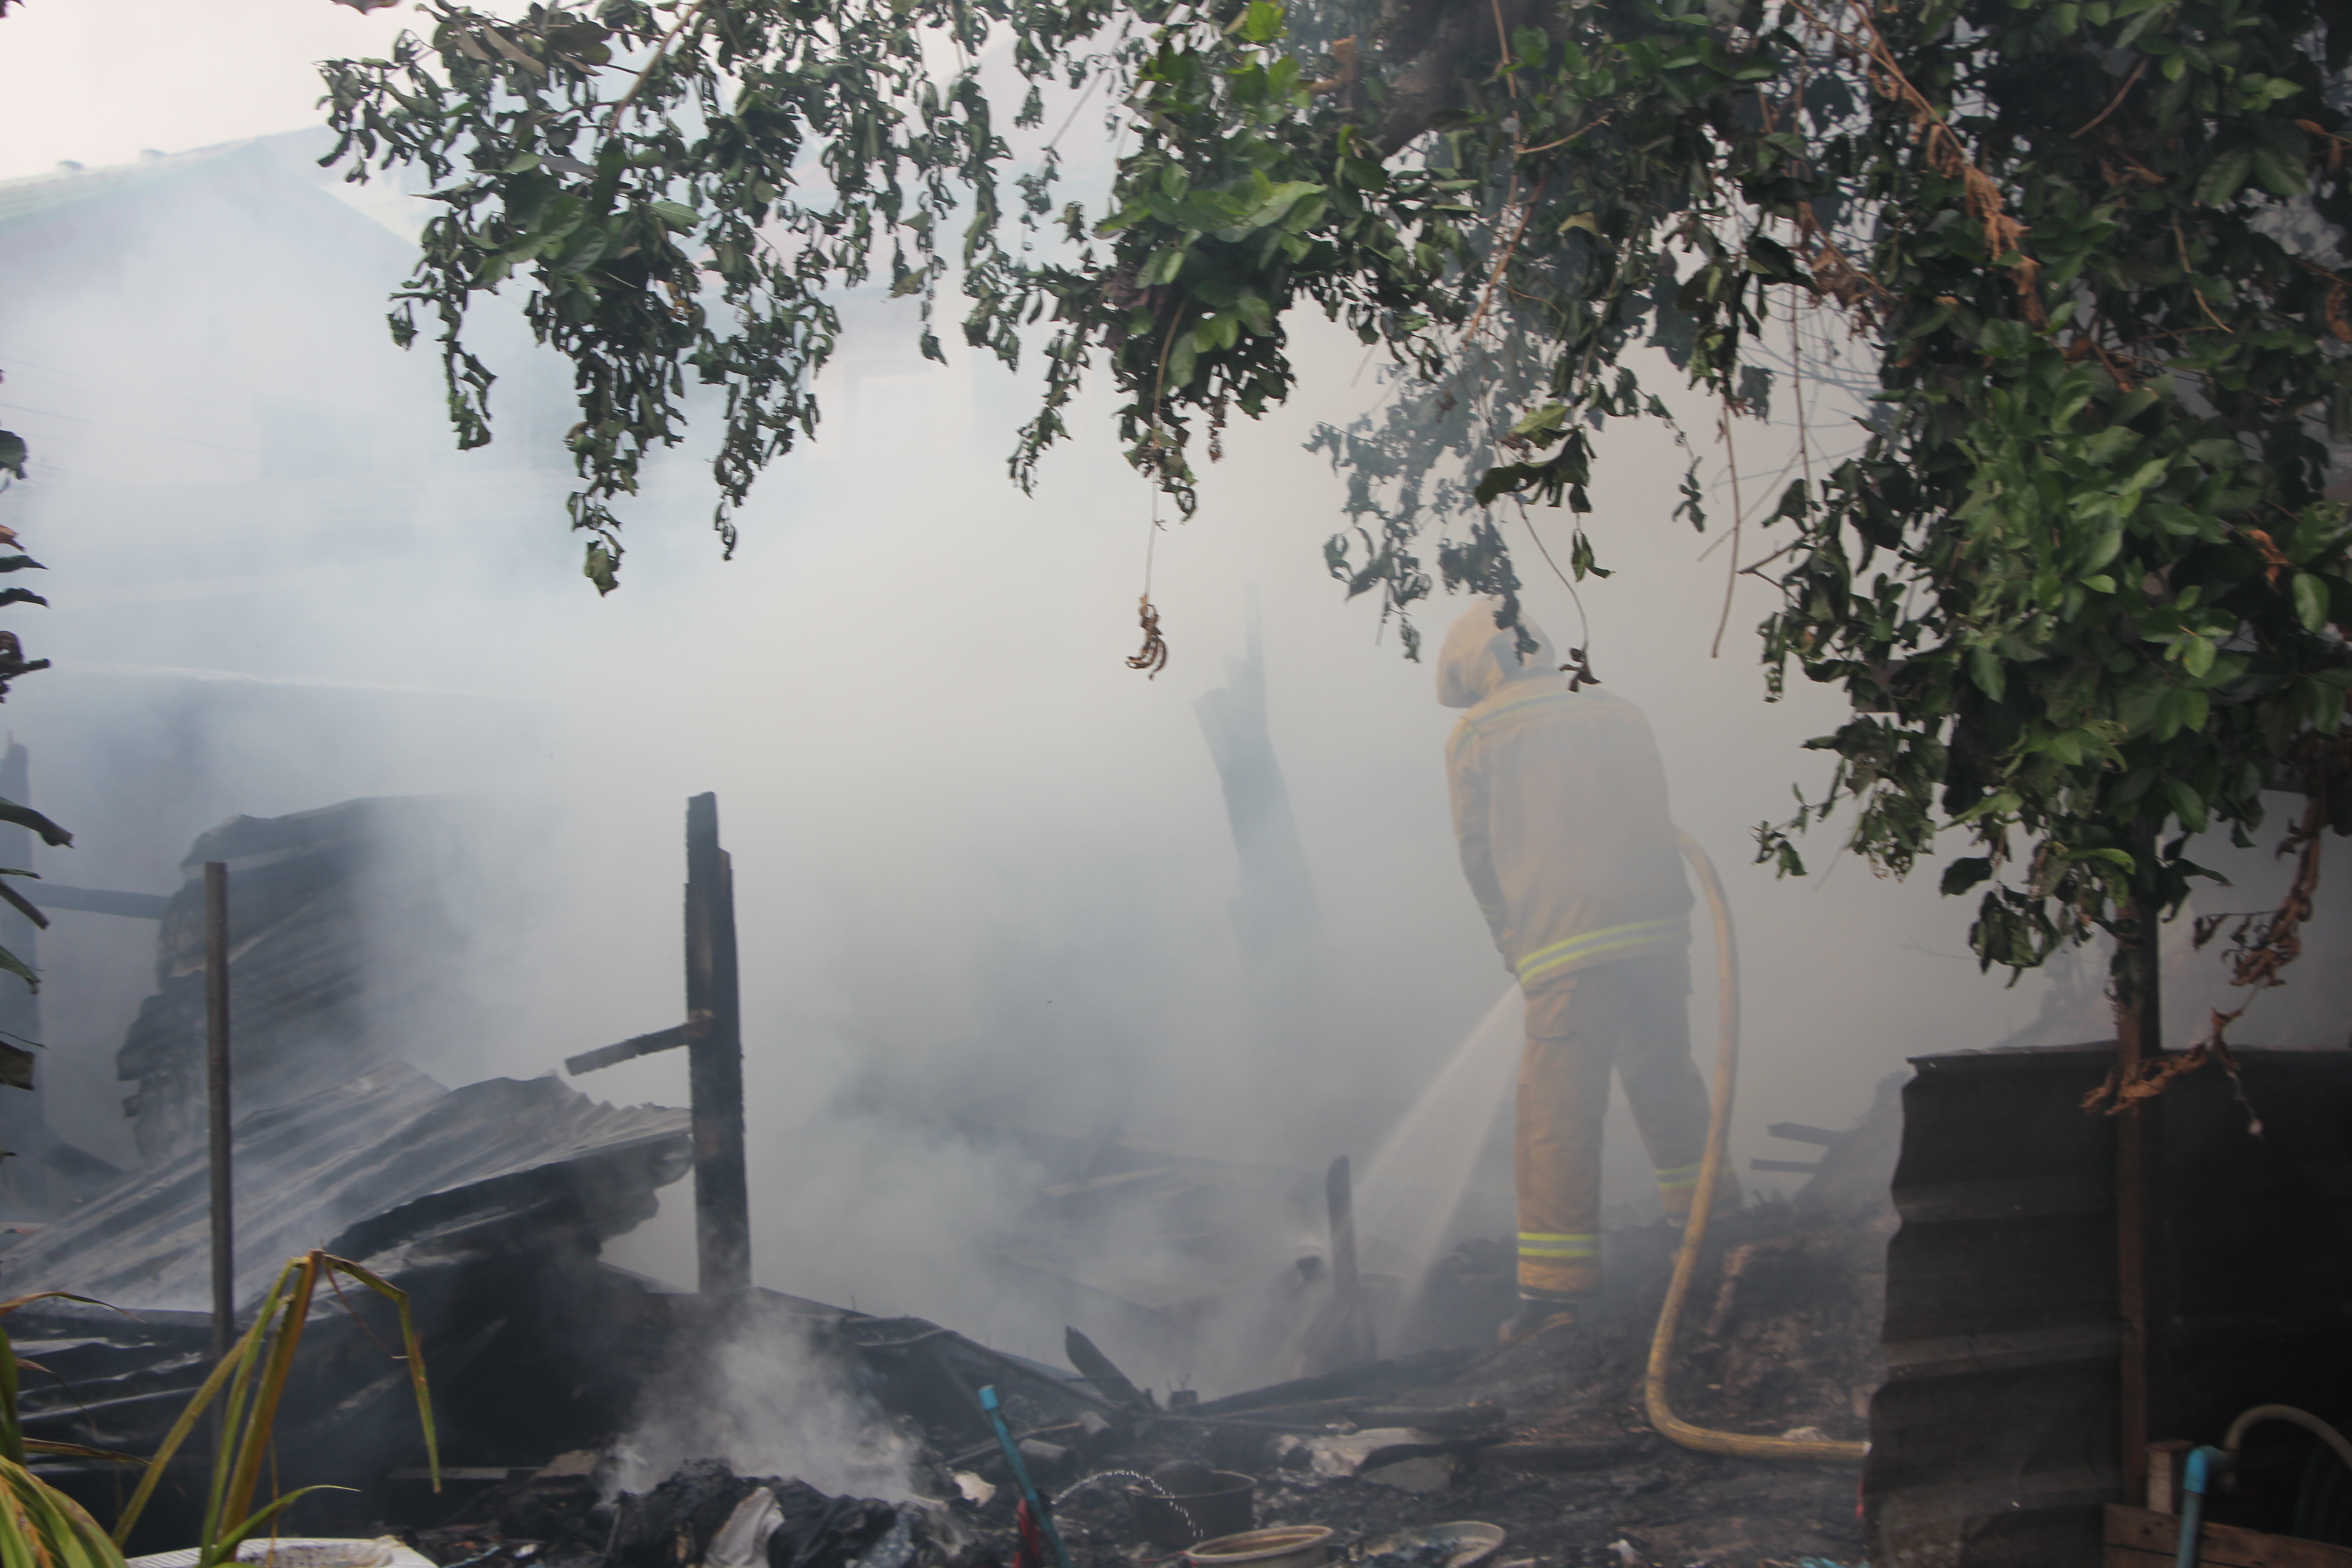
(345, 923)
(389, 1160)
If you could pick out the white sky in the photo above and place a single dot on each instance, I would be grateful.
(96, 82)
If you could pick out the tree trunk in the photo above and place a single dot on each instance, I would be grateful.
(2138, 1038)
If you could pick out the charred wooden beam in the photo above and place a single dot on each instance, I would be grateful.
(1354, 1344)
(722, 1207)
(217, 1092)
(20, 1006)
(1102, 1372)
(97, 901)
(638, 1046)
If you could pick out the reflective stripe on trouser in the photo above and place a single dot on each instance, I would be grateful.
(1631, 1019)
(1679, 1184)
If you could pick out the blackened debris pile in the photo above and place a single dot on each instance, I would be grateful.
(706, 1514)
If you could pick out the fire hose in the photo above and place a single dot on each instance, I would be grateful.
(1718, 1136)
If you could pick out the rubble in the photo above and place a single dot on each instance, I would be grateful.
(387, 1162)
(1544, 1441)
(550, 1368)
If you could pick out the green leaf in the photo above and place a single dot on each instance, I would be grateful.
(22, 905)
(2196, 655)
(1271, 209)
(2005, 339)
(2186, 804)
(2224, 177)
(1180, 361)
(1985, 667)
(2280, 174)
(1262, 23)
(224, 1548)
(602, 568)
(1548, 418)
(1962, 874)
(677, 214)
(2310, 602)
(26, 817)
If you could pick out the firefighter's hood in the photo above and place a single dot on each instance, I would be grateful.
(1479, 656)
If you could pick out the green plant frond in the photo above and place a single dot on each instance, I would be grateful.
(252, 1380)
(56, 837)
(236, 1366)
(411, 1350)
(12, 1434)
(222, 1547)
(40, 1527)
(79, 1451)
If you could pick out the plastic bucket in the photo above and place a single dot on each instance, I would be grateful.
(1169, 1521)
(1287, 1546)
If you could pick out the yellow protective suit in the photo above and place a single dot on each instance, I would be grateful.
(1560, 807)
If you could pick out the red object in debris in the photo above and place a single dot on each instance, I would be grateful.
(1031, 1550)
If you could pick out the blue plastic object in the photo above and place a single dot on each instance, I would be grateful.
(1037, 1510)
(2194, 1477)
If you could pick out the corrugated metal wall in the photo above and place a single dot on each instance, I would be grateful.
(1994, 1439)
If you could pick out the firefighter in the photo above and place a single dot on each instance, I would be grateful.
(1560, 807)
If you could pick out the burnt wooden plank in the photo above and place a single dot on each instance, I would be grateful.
(97, 901)
(722, 1205)
(2146, 1535)
(638, 1046)
(219, 1118)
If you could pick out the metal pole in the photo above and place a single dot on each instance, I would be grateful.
(722, 1207)
(216, 1088)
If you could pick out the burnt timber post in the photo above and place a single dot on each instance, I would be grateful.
(722, 1208)
(20, 1004)
(217, 1106)
(713, 1038)
(1348, 1293)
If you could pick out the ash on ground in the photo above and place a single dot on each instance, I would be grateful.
(1547, 1439)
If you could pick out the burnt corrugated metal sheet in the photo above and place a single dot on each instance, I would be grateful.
(1994, 1441)
(389, 1160)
